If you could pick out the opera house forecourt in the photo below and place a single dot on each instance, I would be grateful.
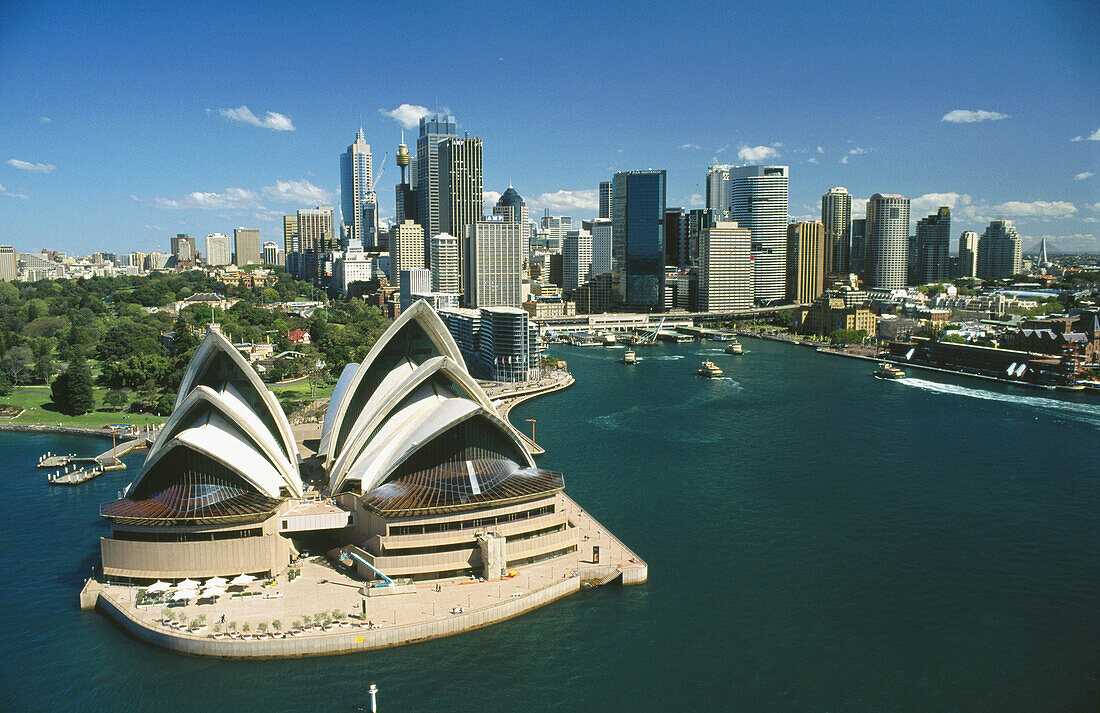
(415, 511)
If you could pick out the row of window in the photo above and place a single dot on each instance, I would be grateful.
(478, 522)
(187, 536)
(468, 545)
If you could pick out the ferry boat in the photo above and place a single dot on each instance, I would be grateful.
(886, 370)
(723, 338)
(608, 339)
(734, 347)
(709, 369)
(630, 357)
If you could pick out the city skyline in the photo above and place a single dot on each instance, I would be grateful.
(252, 138)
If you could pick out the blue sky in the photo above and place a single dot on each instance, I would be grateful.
(116, 129)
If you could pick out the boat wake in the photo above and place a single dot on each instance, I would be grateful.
(1087, 413)
(666, 357)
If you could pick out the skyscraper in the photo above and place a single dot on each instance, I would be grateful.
(217, 250)
(806, 261)
(461, 195)
(601, 246)
(836, 216)
(1000, 251)
(271, 253)
(247, 248)
(887, 257)
(291, 246)
(315, 239)
(357, 192)
(605, 199)
(433, 129)
(184, 248)
(857, 258)
(405, 205)
(725, 266)
(968, 254)
(8, 267)
(443, 251)
(718, 189)
(760, 204)
(638, 238)
(406, 249)
(511, 207)
(494, 261)
(576, 259)
(933, 247)
(676, 237)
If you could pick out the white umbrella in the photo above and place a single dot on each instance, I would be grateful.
(213, 592)
(182, 594)
(158, 586)
(216, 582)
(187, 584)
(243, 579)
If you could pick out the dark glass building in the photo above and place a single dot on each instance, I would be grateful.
(932, 248)
(638, 238)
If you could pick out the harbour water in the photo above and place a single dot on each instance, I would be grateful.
(817, 540)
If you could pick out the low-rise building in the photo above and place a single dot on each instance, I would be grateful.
(829, 312)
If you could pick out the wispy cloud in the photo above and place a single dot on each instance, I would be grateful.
(820, 150)
(1083, 175)
(696, 199)
(46, 120)
(32, 167)
(1035, 209)
(966, 208)
(271, 120)
(408, 115)
(812, 160)
(155, 227)
(695, 147)
(297, 192)
(756, 154)
(845, 160)
(9, 194)
(232, 198)
(857, 151)
(970, 116)
(1094, 136)
(587, 199)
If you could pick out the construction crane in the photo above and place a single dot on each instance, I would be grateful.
(381, 169)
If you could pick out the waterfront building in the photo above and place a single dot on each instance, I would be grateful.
(807, 261)
(500, 343)
(357, 195)
(638, 238)
(719, 190)
(218, 252)
(271, 254)
(832, 311)
(494, 263)
(247, 248)
(759, 203)
(406, 250)
(724, 283)
(8, 268)
(933, 246)
(433, 129)
(836, 216)
(542, 307)
(968, 254)
(576, 259)
(999, 251)
(443, 251)
(605, 200)
(887, 240)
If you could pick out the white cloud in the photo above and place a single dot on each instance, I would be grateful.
(9, 194)
(490, 198)
(32, 167)
(1094, 136)
(564, 201)
(1096, 206)
(1083, 175)
(265, 216)
(272, 120)
(1090, 219)
(812, 160)
(820, 150)
(408, 115)
(696, 147)
(969, 116)
(857, 151)
(756, 154)
(930, 202)
(696, 199)
(46, 120)
(1035, 209)
(233, 198)
(845, 160)
(154, 227)
(722, 149)
(297, 192)
(859, 207)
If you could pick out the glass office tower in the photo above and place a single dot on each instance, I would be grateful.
(638, 238)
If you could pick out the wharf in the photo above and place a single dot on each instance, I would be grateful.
(431, 610)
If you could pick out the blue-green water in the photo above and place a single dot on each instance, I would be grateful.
(817, 540)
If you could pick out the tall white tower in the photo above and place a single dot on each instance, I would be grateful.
(760, 204)
(887, 240)
(356, 192)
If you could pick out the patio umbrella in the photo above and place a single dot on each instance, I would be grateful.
(243, 579)
(216, 582)
(187, 584)
(182, 594)
(213, 592)
(158, 586)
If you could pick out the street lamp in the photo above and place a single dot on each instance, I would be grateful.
(532, 422)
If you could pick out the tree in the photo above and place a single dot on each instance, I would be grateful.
(72, 389)
(953, 339)
(5, 385)
(43, 359)
(116, 398)
(16, 364)
(164, 403)
(847, 336)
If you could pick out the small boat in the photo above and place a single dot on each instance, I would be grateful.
(630, 357)
(734, 347)
(886, 370)
(709, 369)
(723, 338)
(608, 339)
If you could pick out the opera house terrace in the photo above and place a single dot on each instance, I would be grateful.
(413, 511)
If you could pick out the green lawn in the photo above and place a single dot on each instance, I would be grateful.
(35, 399)
(301, 390)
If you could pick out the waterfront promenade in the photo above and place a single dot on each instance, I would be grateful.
(430, 611)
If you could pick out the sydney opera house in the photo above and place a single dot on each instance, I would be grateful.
(414, 475)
